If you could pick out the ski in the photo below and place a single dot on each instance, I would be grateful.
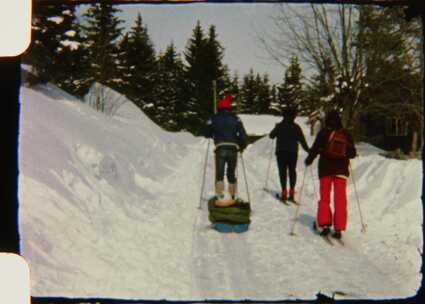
(293, 202)
(280, 199)
(326, 237)
(340, 241)
(276, 196)
(340, 293)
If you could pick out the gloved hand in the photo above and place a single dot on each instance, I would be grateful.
(309, 160)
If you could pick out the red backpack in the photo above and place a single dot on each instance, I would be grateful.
(337, 145)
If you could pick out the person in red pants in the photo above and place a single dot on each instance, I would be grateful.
(336, 147)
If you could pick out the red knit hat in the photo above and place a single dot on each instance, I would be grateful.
(225, 103)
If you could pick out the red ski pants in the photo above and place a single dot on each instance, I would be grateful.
(324, 213)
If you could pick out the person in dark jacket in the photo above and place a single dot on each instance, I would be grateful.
(289, 135)
(333, 172)
(229, 136)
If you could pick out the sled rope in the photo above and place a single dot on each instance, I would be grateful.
(203, 174)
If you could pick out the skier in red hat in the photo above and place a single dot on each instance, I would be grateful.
(229, 136)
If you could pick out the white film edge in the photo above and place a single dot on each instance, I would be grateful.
(15, 27)
(14, 279)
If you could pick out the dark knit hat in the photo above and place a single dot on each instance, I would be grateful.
(289, 113)
(333, 120)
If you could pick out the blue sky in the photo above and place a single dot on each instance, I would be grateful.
(238, 26)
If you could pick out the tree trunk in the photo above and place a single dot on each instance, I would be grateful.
(312, 123)
(414, 144)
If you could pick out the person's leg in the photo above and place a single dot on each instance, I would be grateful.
(340, 202)
(324, 213)
(292, 167)
(219, 171)
(232, 160)
(282, 167)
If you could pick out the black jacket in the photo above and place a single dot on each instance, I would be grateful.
(288, 134)
(225, 127)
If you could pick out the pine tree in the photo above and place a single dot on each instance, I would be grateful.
(195, 86)
(321, 93)
(70, 72)
(290, 93)
(282, 95)
(203, 55)
(139, 68)
(215, 69)
(249, 92)
(44, 42)
(273, 101)
(56, 48)
(234, 89)
(264, 96)
(392, 83)
(170, 105)
(101, 41)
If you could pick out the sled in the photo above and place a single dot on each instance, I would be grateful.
(228, 228)
(234, 217)
(224, 202)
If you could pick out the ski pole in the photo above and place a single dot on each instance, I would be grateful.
(246, 181)
(314, 184)
(268, 167)
(203, 174)
(299, 204)
(358, 201)
(237, 177)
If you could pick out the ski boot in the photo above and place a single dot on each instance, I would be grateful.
(325, 231)
(219, 189)
(291, 196)
(337, 234)
(232, 190)
(284, 196)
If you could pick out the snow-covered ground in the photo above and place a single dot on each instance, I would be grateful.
(109, 208)
(259, 125)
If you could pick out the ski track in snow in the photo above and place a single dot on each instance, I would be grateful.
(221, 266)
(212, 276)
(337, 257)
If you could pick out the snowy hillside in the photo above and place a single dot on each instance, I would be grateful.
(109, 208)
